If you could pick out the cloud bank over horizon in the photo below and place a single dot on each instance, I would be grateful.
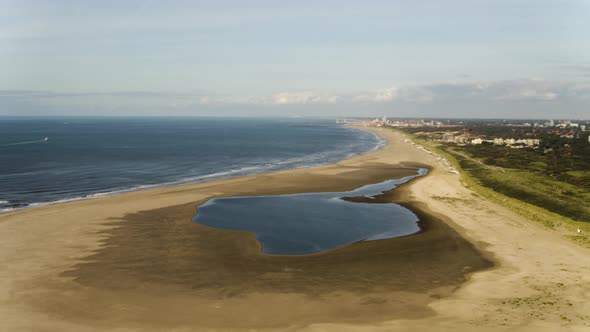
(497, 99)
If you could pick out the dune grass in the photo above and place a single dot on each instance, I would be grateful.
(555, 204)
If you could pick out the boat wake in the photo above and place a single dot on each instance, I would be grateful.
(45, 139)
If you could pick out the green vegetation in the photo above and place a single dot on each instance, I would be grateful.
(567, 163)
(531, 185)
(578, 174)
(550, 190)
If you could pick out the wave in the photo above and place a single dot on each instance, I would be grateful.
(380, 141)
(315, 159)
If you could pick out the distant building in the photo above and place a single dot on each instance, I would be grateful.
(460, 139)
(476, 141)
(448, 137)
(528, 142)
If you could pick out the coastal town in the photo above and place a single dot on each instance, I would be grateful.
(515, 134)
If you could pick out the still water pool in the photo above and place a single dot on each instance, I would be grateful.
(312, 222)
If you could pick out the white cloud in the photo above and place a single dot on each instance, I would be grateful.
(239, 100)
(281, 98)
(378, 96)
(303, 98)
(510, 90)
(532, 91)
(528, 94)
(527, 90)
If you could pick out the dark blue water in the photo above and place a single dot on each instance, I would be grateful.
(310, 223)
(94, 156)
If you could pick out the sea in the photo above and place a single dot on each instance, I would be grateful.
(57, 159)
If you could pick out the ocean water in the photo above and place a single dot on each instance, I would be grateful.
(311, 223)
(89, 157)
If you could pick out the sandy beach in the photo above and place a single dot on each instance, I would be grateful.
(137, 262)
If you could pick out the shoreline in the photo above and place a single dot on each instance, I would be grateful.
(137, 261)
(196, 180)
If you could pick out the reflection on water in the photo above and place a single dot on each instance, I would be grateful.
(310, 223)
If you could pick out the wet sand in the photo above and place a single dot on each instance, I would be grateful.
(137, 261)
(161, 251)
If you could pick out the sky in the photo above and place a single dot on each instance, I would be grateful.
(452, 58)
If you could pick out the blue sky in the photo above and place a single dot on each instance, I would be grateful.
(528, 58)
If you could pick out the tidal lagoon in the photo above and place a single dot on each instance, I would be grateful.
(313, 222)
